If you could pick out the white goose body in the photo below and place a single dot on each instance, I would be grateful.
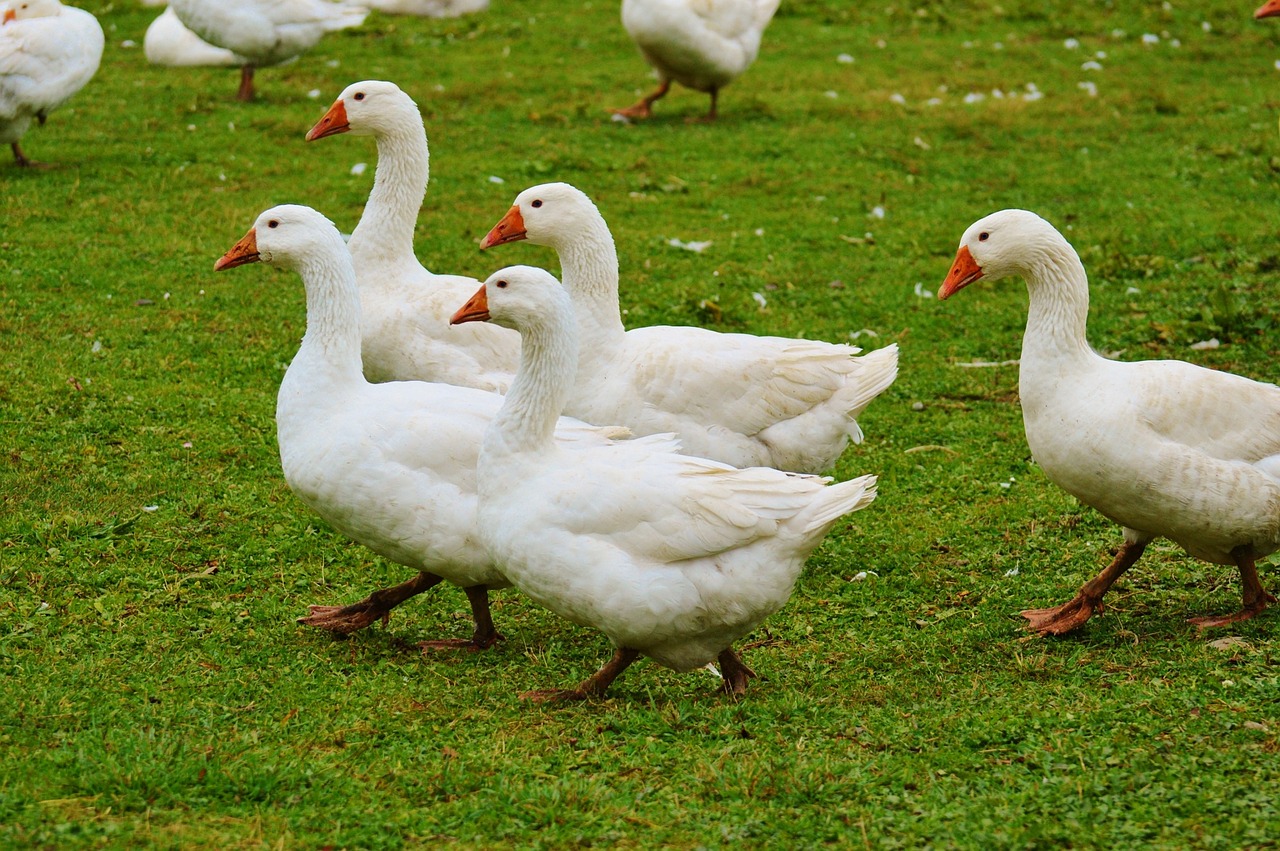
(48, 52)
(392, 466)
(702, 44)
(406, 308)
(1163, 448)
(168, 42)
(266, 32)
(387, 465)
(670, 556)
(737, 398)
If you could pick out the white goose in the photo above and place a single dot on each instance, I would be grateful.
(168, 42)
(266, 32)
(48, 52)
(745, 400)
(670, 556)
(392, 466)
(1163, 448)
(429, 8)
(406, 308)
(703, 44)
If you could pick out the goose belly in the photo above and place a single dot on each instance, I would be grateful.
(1209, 506)
(681, 614)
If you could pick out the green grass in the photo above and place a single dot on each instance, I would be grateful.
(154, 688)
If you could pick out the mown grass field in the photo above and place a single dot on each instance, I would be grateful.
(154, 688)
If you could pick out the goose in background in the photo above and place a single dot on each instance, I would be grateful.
(169, 43)
(266, 32)
(702, 44)
(48, 52)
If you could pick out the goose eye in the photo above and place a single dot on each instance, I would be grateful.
(273, 223)
(502, 285)
(358, 96)
(537, 203)
(982, 237)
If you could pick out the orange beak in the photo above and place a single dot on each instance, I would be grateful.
(244, 251)
(510, 229)
(333, 123)
(1270, 9)
(475, 310)
(9, 15)
(963, 273)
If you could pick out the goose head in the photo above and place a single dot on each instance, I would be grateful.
(285, 237)
(1270, 9)
(21, 10)
(517, 297)
(1004, 244)
(368, 108)
(547, 214)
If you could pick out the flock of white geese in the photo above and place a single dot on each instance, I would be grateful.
(665, 487)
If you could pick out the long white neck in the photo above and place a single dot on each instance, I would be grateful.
(1059, 309)
(589, 265)
(548, 358)
(330, 350)
(385, 231)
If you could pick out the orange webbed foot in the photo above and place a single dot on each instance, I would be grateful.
(1246, 613)
(639, 110)
(1060, 620)
(344, 620)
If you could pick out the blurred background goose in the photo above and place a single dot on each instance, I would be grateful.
(48, 52)
(266, 32)
(702, 44)
(168, 42)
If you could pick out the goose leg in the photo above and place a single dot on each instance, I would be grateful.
(644, 107)
(484, 636)
(246, 83)
(1256, 597)
(735, 673)
(711, 115)
(592, 686)
(1072, 614)
(22, 160)
(345, 620)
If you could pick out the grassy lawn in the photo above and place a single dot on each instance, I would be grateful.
(154, 688)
